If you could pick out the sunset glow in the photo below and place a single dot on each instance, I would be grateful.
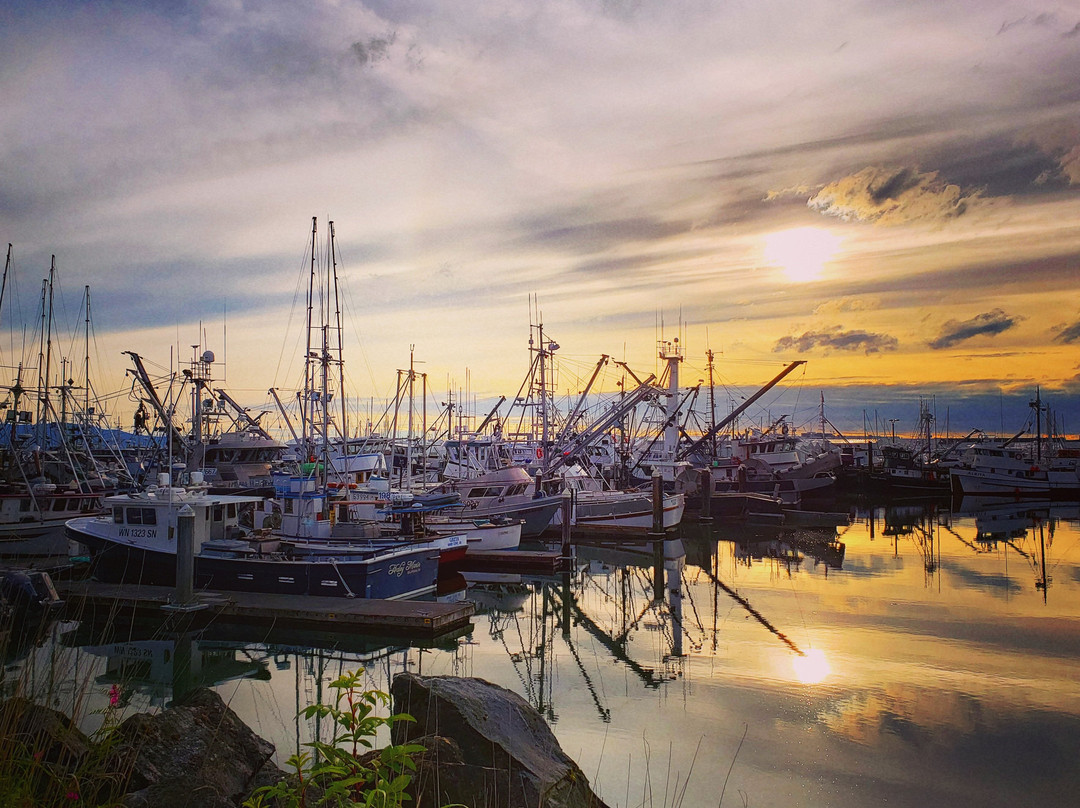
(802, 252)
(811, 668)
(914, 231)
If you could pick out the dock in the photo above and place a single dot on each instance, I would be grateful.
(539, 562)
(94, 600)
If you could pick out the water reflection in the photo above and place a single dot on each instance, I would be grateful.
(919, 654)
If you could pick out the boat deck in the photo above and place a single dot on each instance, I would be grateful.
(96, 600)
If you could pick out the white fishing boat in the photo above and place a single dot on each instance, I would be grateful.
(988, 468)
(509, 493)
(596, 509)
(482, 535)
(135, 542)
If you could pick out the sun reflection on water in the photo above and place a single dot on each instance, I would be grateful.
(812, 667)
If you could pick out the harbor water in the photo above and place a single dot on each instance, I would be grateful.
(922, 655)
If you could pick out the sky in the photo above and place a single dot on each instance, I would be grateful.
(887, 190)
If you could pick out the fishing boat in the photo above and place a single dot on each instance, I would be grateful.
(596, 509)
(509, 493)
(313, 519)
(135, 542)
(988, 468)
(226, 446)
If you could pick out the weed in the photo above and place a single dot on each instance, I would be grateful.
(345, 771)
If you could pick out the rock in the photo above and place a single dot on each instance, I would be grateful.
(486, 747)
(41, 730)
(196, 754)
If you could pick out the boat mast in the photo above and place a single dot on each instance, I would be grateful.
(543, 398)
(1037, 405)
(409, 435)
(86, 396)
(340, 355)
(324, 372)
(306, 414)
(41, 360)
(3, 283)
(712, 401)
(324, 375)
(423, 423)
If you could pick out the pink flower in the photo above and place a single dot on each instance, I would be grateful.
(71, 795)
(114, 695)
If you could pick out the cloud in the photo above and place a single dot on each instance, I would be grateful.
(1060, 142)
(836, 339)
(1005, 164)
(1043, 20)
(843, 304)
(990, 323)
(1069, 333)
(892, 196)
(374, 50)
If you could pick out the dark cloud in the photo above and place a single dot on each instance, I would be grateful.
(1070, 333)
(892, 196)
(1060, 143)
(569, 231)
(373, 50)
(1007, 165)
(890, 188)
(989, 323)
(1043, 20)
(836, 339)
(1053, 273)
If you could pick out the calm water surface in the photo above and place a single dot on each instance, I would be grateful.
(918, 657)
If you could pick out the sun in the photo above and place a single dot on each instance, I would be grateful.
(801, 252)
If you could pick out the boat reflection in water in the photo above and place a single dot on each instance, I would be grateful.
(920, 655)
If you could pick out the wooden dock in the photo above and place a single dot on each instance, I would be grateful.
(98, 601)
(540, 562)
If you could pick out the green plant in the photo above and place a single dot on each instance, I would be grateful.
(345, 771)
(40, 769)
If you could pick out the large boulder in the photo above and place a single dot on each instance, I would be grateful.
(485, 746)
(41, 731)
(196, 754)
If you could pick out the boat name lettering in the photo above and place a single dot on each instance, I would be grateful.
(404, 568)
(137, 533)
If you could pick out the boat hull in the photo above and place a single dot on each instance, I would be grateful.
(967, 481)
(387, 575)
(622, 512)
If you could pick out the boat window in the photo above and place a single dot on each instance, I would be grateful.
(24, 504)
(219, 513)
(59, 504)
(118, 515)
(288, 506)
(230, 511)
(141, 516)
